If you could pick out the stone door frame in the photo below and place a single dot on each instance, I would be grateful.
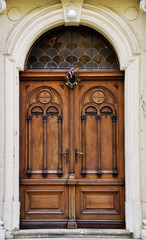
(18, 43)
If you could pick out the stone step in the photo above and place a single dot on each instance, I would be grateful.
(69, 234)
(72, 238)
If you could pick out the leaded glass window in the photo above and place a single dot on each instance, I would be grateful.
(67, 47)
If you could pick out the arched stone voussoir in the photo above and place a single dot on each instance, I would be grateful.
(100, 18)
(29, 29)
(114, 28)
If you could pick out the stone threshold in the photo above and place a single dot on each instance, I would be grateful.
(78, 238)
(69, 234)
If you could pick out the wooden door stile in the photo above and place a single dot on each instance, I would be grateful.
(44, 146)
(99, 170)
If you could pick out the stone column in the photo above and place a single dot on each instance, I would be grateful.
(143, 235)
(2, 231)
(11, 145)
(132, 148)
(143, 132)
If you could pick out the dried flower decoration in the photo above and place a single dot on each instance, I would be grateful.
(71, 78)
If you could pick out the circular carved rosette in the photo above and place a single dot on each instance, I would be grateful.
(98, 96)
(44, 96)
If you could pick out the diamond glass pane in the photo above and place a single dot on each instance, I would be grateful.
(67, 47)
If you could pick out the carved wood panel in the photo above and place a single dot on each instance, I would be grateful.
(44, 202)
(44, 132)
(44, 207)
(100, 206)
(71, 153)
(44, 112)
(99, 131)
(99, 202)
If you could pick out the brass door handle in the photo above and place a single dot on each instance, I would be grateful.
(67, 155)
(76, 155)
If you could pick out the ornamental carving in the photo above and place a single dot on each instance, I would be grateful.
(72, 10)
(44, 96)
(44, 101)
(98, 96)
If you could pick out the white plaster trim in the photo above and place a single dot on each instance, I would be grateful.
(31, 27)
(2, 7)
(126, 39)
(104, 20)
(143, 6)
(115, 29)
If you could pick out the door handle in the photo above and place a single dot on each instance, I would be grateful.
(67, 155)
(76, 155)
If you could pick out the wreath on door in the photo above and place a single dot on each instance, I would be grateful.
(71, 78)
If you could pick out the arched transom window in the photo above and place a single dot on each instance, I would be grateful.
(67, 47)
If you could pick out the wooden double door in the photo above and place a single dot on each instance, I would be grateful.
(71, 151)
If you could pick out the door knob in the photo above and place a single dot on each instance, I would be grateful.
(76, 155)
(67, 155)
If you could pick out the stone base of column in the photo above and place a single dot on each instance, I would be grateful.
(143, 232)
(2, 231)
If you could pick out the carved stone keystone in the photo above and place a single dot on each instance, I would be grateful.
(72, 11)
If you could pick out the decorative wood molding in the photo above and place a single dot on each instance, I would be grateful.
(84, 75)
(92, 182)
(72, 11)
(2, 7)
(143, 6)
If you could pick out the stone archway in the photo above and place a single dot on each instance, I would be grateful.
(126, 45)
